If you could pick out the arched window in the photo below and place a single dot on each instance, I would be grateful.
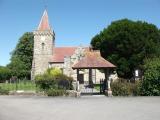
(43, 46)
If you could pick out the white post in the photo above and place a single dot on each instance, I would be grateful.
(77, 86)
(78, 94)
(109, 84)
(109, 88)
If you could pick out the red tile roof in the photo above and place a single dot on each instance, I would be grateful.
(44, 23)
(93, 60)
(60, 52)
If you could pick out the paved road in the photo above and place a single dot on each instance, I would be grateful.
(84, 108)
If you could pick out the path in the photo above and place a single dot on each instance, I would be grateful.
(84, 108)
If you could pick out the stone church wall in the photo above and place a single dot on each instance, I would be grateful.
(43, 51)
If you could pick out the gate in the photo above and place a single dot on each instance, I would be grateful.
(102, 86)
(95, 89)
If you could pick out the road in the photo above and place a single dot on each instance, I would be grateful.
(84, 108)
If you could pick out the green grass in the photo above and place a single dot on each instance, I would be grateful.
(24, 85)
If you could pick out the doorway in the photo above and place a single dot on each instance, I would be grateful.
(81, 78)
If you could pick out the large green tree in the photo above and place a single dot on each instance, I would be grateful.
(21, 57)
(126, 43)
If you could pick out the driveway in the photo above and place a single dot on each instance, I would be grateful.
(84, 108)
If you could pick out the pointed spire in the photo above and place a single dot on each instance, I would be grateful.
(44, 23)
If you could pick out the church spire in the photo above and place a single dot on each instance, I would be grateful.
(44, 23)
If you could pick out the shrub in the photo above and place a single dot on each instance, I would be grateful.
(57, 81)
(4, 91)
(45, 81)
(150, 85)
(135, 88)
(55, 92)
(124, 88)
(119, 89)
(64, 82)
(54, 71)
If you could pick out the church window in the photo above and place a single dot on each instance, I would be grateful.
(43, 46)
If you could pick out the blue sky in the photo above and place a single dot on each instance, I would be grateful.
(75, 22)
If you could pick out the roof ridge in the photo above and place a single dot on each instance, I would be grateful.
(44, 23)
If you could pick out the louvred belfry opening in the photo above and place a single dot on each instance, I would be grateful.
(44, 23)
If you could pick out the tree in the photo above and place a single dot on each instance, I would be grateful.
(126, 43)
(150, 85)
(21, 57)
(5, 74)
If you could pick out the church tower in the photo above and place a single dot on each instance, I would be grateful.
(44, 39)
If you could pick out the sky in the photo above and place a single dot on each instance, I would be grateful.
(75, 22)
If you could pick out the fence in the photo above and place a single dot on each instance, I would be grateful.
(25, 85)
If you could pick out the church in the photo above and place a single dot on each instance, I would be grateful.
(75, 61)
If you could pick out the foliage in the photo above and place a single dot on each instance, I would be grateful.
(45, 81)
(125, 88)
(49, 80)
(126, 43)
(5, 74)
(21, 57)
(150, 85)
(55, 92)
(54, 71)
(53, 84)
(3, 91)
(18, 68)
(64, 82)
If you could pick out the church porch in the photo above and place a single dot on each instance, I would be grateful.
(93, 60)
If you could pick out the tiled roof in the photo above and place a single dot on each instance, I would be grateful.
(60, 52)
(44, 23)
(93, 59)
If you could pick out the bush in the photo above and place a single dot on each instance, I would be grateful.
(55, 92)
(54, 71)
(4, 91)
(135, 88)
(45, 81)
(57, 81)
(125, 88)
(64, 82)
(150, 85)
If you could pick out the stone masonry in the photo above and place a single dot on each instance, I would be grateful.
(43, 46)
